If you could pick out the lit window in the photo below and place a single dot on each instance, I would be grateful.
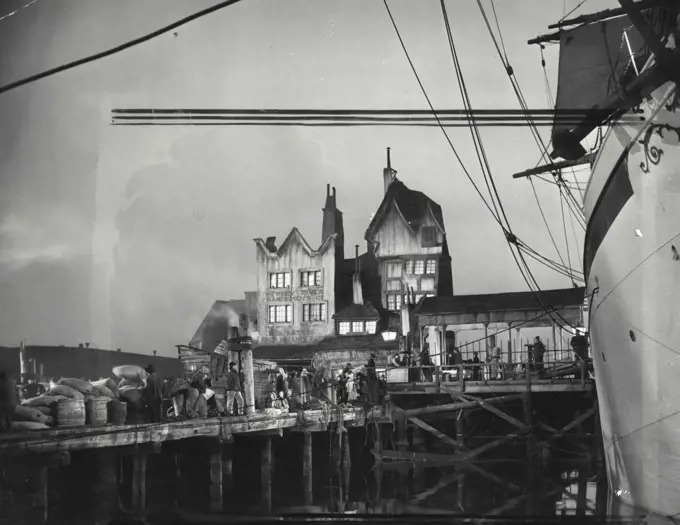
(371, 326)
(343, 328)
(394, 269)
(357, 326)
(394, 302)
(314, 312)
(427, 284)
(312, 278)
(419, 267)
(279, 280)
(280, 313)
(431, 267)
(408, 267)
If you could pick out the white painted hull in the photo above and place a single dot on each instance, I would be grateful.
(634, 281)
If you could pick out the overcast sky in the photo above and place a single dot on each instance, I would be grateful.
(124, 236)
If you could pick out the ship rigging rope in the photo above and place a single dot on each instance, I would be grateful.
(434, 113)
(118, 48)
(564, 226)
(518, 92)
(511, 238)
(545, 221)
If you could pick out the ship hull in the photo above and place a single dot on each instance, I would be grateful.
(632, 261)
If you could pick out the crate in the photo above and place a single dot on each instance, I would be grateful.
(397, 375)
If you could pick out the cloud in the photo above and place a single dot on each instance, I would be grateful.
(48, 238)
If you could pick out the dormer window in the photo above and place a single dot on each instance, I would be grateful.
(310, 278)
(356, 327)
(279, 280)
(429, 236)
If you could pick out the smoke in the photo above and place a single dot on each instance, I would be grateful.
(225, 311)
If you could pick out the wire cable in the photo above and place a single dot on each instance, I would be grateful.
(117, 49)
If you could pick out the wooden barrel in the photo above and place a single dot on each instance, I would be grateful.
(96, 412)
(117, 412)
(69, 413)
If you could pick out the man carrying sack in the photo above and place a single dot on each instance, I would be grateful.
(234, 392)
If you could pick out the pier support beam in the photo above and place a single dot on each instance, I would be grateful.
(266, 462)
(139, 480)
(307, 472)
(460, 429)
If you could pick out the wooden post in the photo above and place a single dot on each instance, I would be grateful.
(139, 481)
(23, 358)
(527, 396)
(402, 438)
(581, 497)
(40, 496)
(460, 490)
(178, 476)
(42, 370)
(216, 490)
(598, 443)
(248, 380)
(486, 338)
(461, 377)
(307, 472)
(265, 474)
(227, 466)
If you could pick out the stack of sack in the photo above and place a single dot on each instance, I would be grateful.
(35, 413)
(188, 401)
(132, 382)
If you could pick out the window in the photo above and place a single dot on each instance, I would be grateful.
(394, 270)
(429, 236)
(419, 267)
(408, 267)
(281, 313)
(357, 327)
(279, 280)
(393, 285)
(431, 267)
(314, 312)
(311, 278)
(394, 302)
(427, 284)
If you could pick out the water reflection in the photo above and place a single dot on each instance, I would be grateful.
(181, 480)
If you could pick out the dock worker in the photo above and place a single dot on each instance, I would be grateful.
(32, 388)
(476, 370)
(538, 351)
(154, 393)
(234, 391)
(370, 368)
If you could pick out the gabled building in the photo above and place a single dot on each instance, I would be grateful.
(222, 316)
(296, 284)
(407, 237)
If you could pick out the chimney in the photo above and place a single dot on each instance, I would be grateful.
(81, 345)
(334, 201)
(234, 332)
(154, 352)
(357, 292)
(87, 345)
(270, 243)
(388, 172)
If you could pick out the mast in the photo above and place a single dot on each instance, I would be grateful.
(586, 159)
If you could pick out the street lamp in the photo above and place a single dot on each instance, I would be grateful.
(388, 335)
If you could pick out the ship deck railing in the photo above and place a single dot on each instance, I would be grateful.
(567, 375)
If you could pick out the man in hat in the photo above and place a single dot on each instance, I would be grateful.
(370, 368)
(154, 393)
(234, 391)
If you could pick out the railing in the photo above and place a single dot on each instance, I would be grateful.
(489, 372)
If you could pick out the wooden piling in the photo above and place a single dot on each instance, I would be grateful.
(139, 480)
(307, 472)
(216, 489)
(581, 497)
(265, 474)
(177, 460)
(248, 380)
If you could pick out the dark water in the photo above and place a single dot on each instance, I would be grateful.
(97, 486)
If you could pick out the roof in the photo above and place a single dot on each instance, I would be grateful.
(356, 342)
(513, 301)
(358, 311)
(284, 352)
(412, 204)
(296, 235)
